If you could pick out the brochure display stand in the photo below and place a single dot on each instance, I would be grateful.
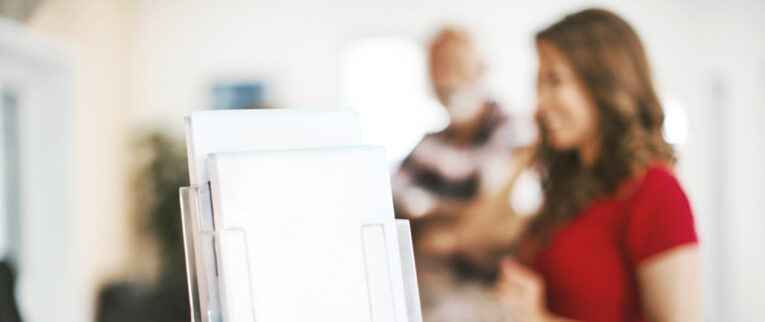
(199, 237)
(256, 267)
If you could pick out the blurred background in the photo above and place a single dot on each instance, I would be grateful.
(93, 94)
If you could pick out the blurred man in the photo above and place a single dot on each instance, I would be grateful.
(448, 169)
(454, 187)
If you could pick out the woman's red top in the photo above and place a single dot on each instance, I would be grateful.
(589, 265)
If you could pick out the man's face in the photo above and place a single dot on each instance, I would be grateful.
(454, 65)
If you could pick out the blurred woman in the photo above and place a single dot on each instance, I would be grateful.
(615, 238)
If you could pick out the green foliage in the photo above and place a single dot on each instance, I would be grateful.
(161, 171)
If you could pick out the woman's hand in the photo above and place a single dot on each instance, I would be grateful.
(438, 240)
(521, 291)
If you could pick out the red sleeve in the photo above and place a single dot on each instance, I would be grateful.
(661, 218)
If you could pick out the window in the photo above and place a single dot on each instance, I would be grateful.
(385, 80)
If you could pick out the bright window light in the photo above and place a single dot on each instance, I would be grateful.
(385, 80)
(675, 123)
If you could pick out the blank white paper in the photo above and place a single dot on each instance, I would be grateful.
(318, 232)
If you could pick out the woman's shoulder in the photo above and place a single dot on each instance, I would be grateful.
(659, 176)
(660, 216)
(658, 183)
(650, 180)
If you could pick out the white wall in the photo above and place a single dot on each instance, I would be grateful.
(737, 51)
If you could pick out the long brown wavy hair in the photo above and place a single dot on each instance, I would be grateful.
(608, 57)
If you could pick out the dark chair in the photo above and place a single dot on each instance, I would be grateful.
(9, 312)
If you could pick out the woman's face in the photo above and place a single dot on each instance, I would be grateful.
(567, 113)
